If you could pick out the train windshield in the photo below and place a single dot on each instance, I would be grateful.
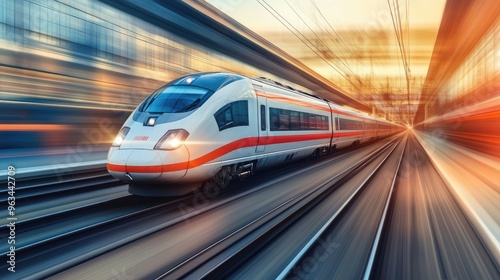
(174, 99)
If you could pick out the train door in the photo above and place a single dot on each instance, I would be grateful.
(332, 122)
(262, 117)
(336, 128)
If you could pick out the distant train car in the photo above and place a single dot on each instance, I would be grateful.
(206, 129)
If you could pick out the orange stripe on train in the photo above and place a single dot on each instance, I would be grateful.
(219, 152)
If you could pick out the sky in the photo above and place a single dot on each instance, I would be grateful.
(350, 18)
(342, 14)
(362, 53)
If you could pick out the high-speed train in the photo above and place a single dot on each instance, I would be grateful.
(204, 130)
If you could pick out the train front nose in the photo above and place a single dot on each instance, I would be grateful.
(148, 166)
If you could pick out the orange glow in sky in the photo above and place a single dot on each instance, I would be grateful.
(352, 43)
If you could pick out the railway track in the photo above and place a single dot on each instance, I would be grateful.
(248, 243)
(258, 233)
(428, 233)
(51, 240)
(371, 200)
(33, 189)
(333, 217)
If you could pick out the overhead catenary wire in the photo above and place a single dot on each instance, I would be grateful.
(296, 33)
(396, 21)
(334, 31)
(408, 56)
(321, 40)
(337, 35)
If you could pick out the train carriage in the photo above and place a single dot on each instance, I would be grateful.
(293, 125)
(206, 129)
(348, 127)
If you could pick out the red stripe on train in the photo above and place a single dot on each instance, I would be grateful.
(235, 145)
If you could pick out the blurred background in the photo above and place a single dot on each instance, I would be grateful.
(71, 72)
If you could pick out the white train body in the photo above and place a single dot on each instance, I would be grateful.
(217, 126)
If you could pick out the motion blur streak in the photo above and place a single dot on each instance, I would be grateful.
(32, 127)
(475, 126)
(71, 72)
(459, 99)
(65, 63)
(473, 179)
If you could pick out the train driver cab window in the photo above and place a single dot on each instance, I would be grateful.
(232, 114)
(175, 99)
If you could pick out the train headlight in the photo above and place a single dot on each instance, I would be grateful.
(151, 121)
(120, 137)
(172, 140)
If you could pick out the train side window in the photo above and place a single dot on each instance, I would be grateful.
(228, 115)
(342, 124)
(347, 124)
(262, 117)
(282, 119)
(232, 114)
(312, 122)
(294, 120)
(304, 121)
(325, 125)
(274, 123)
